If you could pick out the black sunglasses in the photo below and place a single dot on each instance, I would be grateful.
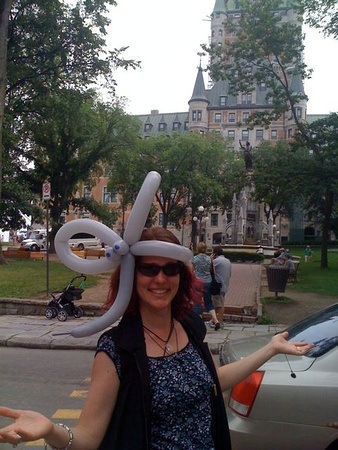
(151, 270)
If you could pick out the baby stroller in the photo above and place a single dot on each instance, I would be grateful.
(62, 306)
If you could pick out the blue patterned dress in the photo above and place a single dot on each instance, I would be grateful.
(181, 387)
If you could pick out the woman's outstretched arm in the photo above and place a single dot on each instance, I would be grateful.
(231, 374)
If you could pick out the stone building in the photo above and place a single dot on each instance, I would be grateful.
(212, 108)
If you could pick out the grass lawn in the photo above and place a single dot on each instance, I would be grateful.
(311, 278)
(25, 278)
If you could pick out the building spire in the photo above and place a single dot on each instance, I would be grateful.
(199, 88)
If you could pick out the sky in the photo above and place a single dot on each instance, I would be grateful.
(165, 35)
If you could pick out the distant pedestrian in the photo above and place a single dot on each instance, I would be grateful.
(308, 253)
(260, 250)
(202, 266)
(222, 271)
(288, 263)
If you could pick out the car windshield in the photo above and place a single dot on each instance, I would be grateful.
(33, 235)
(321, 328)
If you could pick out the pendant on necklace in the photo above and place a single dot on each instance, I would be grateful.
(168, 348)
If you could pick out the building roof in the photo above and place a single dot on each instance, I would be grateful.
(199, 93)
(156, 123)
(310, 118)
(220, 7)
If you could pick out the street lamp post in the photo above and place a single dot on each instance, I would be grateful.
(198, 218)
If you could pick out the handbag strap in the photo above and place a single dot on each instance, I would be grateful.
(212, 272)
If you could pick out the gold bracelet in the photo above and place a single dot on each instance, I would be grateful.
(70, 442)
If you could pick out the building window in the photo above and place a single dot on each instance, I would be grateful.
(274, 134)
(259, 135)
(245, 135)
(162, 126)
(186, 125)
(246, 99)
(245, 117)
(109, 197)
(299, 113)
(231, 117)
(176, 126)
(147, 127)
(223, 100)
(290, 134)
(214, 219)
(160, 219)
(218, 117)
(87, 192)
(220, 32)
(196, 115)
(231, 134)
(262, 87)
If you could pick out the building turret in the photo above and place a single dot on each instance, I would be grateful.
(198, 104)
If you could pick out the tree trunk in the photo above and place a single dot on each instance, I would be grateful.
(5, 7)
(328, 207)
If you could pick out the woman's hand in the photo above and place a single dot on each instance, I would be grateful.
(26, 426)
(231, 374)
(280, 344)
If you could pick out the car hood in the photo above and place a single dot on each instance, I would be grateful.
(28, 241)
(233, 350)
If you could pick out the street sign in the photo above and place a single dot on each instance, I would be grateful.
(46, 191)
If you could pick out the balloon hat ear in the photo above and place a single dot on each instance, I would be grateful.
(119, 252)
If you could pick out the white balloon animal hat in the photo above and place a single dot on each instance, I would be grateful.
(119, 252)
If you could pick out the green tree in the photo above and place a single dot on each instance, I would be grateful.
(268, 49)
(195, 170)
(69, 144)
(322, 14)
(5, 7)
(265, 49)
(321, 183)
(278, 177)
(50, 45)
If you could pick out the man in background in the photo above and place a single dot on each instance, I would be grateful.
(222, 271)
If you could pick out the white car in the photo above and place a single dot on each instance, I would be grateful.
(291, 403)
(81, 241)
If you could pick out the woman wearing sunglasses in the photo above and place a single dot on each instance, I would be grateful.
(154, 384)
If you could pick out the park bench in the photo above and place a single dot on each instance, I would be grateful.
(36, 255)
(96, 252)
(15, 253)
(79, 253)
(22, 254)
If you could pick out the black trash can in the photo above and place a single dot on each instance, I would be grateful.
(277, 278)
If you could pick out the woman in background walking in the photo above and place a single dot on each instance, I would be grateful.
(202, 266)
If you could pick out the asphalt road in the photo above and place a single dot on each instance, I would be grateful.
(54, 383)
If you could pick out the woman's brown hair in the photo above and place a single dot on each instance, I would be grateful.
(187, 294)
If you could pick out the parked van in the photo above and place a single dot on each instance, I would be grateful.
(83, 240)
(36, 240)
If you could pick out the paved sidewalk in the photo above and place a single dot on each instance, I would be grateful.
(244, 286)
(38, 332)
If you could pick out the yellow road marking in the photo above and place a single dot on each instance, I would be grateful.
(79, 394)
(67, 414)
